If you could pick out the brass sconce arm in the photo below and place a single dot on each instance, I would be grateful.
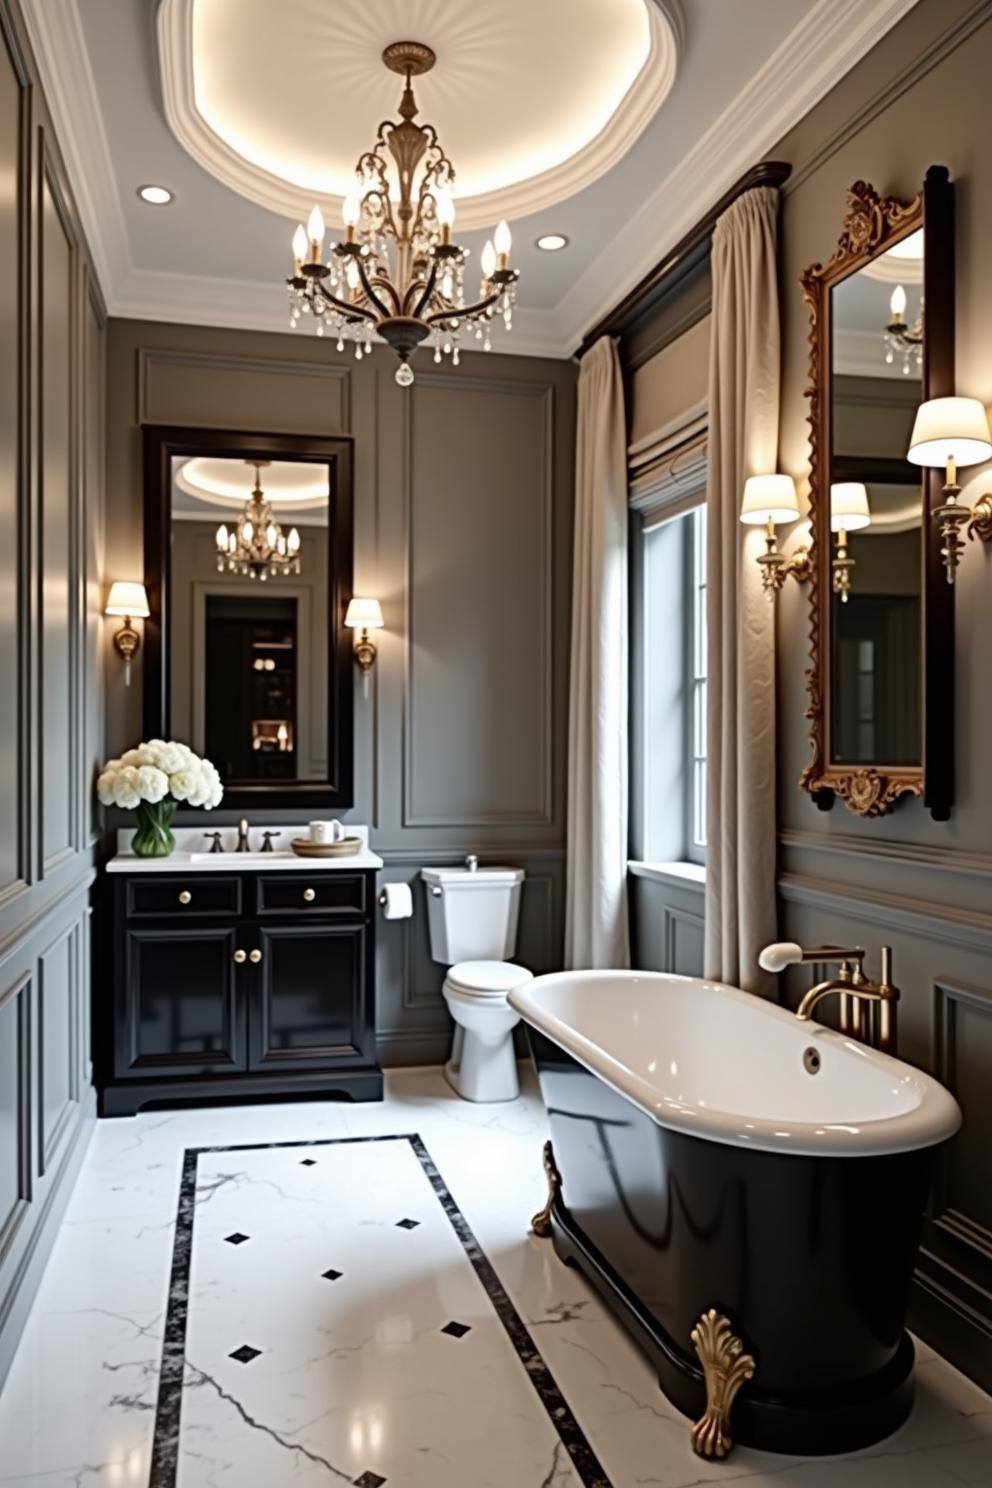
(949, 432)
(980, 521)
(364, 615)
(768, 501)
(776, 567)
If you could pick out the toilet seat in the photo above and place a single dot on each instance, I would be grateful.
(486, 979)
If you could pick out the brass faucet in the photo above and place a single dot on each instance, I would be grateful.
(243, 845)
(867, 1008)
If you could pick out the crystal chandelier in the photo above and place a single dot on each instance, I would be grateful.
(258, 547)
(396, 271)
(901, 339)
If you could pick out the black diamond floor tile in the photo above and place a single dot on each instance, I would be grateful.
(308, 1162)
(407, 1224)
(456, 1330)
(245, 1354)
(332, 1275)
(237, 1238)
(369, 1480)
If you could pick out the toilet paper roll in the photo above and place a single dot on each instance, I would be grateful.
(396, 901)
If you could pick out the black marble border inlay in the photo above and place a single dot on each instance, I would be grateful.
(165, 1446)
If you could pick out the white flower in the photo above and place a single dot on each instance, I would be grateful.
(158, 769)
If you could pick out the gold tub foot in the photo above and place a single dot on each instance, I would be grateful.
(725, 1367)
(541, 1223)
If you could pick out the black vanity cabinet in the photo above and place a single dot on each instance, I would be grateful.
(237, 986)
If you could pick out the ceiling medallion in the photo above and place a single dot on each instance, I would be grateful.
(257, 547)
(396, 272)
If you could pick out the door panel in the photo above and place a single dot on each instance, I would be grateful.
(182, 1011)
(308, 999)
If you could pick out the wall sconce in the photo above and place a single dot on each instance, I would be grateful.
(949, 432)
(768, 501)
(364, 615)
(130, 601)
(848, 513)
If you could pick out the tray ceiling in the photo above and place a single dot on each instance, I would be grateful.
(532, 102)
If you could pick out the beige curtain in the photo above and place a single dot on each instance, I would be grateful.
(596, 899)
(743, 441)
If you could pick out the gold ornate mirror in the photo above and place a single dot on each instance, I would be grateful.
(881, 621)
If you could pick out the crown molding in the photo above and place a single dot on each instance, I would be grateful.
(635, 111)
(817, 54)
(809, 62)
(252, 305)
(57, 39)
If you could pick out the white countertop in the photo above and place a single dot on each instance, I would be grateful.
(192, 854)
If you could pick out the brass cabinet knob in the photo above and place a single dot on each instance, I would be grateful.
(240, 957)
(309, 895)
(185, 897)
(254, 957)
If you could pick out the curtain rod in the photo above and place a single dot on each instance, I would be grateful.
(767, 173)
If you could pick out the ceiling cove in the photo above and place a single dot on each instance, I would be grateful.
(534, 102)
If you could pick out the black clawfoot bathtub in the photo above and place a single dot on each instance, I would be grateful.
(704, 1165)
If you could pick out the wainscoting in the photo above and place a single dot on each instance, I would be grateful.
(463, 517)
(51, 639)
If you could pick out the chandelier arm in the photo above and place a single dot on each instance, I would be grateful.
(368, 286)
(428, 290)
(463, 312)
(354, 312)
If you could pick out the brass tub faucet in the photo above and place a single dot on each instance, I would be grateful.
(867, 1008)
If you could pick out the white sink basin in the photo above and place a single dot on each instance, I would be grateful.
(243, 859)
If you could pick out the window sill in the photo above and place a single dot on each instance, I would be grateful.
(678, 875)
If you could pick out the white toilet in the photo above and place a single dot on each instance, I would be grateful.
(472, 916)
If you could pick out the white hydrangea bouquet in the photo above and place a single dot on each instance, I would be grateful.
(152, 780)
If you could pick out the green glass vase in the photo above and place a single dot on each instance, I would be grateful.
(153, 835)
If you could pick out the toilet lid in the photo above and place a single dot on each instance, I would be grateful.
(487, 978)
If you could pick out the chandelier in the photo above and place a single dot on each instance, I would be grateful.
(900, 338)
(396, 272)
(258, 546)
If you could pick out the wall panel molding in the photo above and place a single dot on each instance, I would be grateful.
(412, 814)
(971, 930)
(15, 1043)
(875, 850)
(156, 405)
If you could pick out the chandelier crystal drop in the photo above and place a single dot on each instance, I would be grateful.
(396, 272)
(257, 547)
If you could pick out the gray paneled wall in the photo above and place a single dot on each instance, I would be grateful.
(51, 640)
(463, 531)
(921, 886)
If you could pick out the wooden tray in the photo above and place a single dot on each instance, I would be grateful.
(346, 848)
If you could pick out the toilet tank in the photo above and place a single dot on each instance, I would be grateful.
(472, 913)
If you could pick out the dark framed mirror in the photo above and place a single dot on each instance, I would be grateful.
(248, 568)
(881, 615)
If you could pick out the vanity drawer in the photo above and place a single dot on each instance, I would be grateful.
(311, 893)
(197, 894)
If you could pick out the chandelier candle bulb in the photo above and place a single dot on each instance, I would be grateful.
(897, 304)
(315, 232)
(502, 242)
(299, 250)
(488, 261)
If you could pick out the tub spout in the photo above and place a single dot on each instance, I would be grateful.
(854, 989)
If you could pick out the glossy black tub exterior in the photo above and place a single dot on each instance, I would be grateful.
(811, 1258)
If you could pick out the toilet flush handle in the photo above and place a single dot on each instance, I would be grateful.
(472, 863)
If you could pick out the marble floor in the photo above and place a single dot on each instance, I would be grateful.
(318, 1294)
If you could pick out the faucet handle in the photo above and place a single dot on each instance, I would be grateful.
(216, 836)
(267, 840)
(780, 954)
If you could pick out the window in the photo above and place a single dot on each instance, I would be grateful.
(668, 592)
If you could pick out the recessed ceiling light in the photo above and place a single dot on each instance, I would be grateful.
(551, 242)
(156, 196)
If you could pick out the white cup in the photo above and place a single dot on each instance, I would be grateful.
(326, 831)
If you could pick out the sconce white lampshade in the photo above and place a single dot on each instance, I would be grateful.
(127, 599)
(769, 498)
(950, 429)
(364, 614)
(849, 506)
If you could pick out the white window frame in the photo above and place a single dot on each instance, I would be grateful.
(671, 834)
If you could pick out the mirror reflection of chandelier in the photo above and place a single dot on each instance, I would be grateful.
(258, 548)
(902, 339)
(418, 293)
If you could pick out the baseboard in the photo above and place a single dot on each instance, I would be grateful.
(408, 1046)
(45, 1228)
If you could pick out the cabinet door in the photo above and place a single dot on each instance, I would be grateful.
(183, 1004)
(311, 1000)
